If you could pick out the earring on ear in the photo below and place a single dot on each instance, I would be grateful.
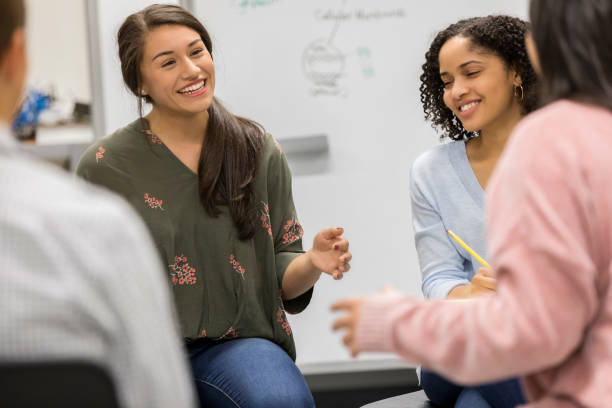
(519, 92)
(143, 93)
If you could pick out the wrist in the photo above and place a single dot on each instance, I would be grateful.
(310, 264)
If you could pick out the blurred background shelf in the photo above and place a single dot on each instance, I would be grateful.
(61, 145)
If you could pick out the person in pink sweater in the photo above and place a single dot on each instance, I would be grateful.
(550, 240)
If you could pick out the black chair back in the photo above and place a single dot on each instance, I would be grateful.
(65, 384)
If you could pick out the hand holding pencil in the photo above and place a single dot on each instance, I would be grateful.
(467, 248)
(483, 281)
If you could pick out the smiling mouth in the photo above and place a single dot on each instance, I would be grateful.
(468, 106)
(193, 88)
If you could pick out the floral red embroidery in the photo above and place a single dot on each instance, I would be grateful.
(181, 273)
(293, 231)
(230, 333)
(265, 218)
(282, 319)
(152, 202)
(154, 139)
(100, 154)
(236, 265)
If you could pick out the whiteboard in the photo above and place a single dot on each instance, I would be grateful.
(347, 69)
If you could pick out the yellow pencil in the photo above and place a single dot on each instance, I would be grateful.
(467, 248)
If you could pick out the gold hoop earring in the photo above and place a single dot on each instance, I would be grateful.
(520, 95)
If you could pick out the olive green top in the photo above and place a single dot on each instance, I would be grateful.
(223, 287)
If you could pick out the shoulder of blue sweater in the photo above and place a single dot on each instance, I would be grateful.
(435, 158)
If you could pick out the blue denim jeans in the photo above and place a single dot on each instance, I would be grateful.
(247, 373)
(445, 394)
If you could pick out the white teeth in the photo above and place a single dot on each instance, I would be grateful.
(192, 88)
(468, 106)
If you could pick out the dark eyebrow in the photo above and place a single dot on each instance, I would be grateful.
(170, 52)
(463, 66)
(194, 42)
(469, 62)
(161, 54)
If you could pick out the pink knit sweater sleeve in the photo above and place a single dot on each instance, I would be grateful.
(540, 253)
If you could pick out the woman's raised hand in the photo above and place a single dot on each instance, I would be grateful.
(330, 252)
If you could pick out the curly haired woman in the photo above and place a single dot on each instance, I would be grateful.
(549, 227)
(477, 84)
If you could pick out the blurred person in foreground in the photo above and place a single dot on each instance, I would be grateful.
(80, 280)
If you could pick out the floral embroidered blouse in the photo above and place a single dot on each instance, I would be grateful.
(223, 287)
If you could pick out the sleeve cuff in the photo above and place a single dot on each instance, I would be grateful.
(282, 261)
(374, 330)
(298, 304)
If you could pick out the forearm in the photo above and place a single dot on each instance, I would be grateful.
(488, 338)
(299, 276)
(459, 339)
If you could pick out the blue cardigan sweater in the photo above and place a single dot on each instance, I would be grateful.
(446, 194)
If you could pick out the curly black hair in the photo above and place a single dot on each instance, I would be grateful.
(502, 35)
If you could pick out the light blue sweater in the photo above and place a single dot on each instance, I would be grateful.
(446, 194)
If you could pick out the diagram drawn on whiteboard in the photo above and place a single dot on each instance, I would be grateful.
(253, 4)
(325, 65)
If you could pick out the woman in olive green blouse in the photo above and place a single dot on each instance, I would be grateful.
(215, 192)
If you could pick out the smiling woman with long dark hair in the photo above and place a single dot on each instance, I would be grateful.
(215, 191)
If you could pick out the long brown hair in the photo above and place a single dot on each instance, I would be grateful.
(12, 17)
(229, 156)
(573, 43)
